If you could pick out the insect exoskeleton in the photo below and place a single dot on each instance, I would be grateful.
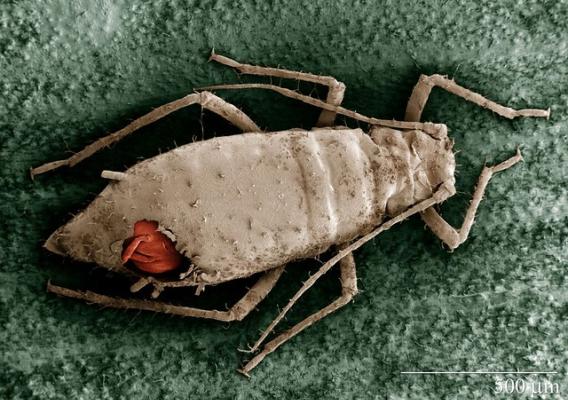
(237, 205)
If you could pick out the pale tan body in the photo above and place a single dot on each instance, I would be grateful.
(400, 172)
(243, 204)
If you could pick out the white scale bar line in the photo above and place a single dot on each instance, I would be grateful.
(476, 372)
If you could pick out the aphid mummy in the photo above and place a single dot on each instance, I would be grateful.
(231, 207)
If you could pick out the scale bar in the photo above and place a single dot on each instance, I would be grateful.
(478, 372)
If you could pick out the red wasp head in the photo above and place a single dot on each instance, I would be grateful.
(150, 250)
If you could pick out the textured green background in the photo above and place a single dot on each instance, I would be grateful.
(71, 71)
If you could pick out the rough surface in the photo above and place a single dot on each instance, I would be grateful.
(72, 71)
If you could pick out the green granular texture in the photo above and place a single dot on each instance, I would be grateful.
(72, 71)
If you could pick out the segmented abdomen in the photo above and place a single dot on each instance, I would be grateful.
(241, 204)
(256, 201)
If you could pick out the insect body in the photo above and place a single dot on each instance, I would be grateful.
(243, 204)
(235, 206)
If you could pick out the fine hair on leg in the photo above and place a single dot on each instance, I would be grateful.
(348, 291)
(435, 130)
(426, 83)
(236, 313)
(205, 99)
(451, 236)
(335, 93)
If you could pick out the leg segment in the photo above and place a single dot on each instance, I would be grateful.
(442, 193)
(336, 89)
(205, 99)
(435, 130)
(422, 90)
(449, 235)
(348, 290)
(236, 313)
(454, 237)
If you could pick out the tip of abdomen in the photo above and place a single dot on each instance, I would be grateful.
(52, 244)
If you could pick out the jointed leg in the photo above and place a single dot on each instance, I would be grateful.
(442, 193)
(330, 108)
(336, 89)
(205, 99)
(422, 90)
(448, 234)
(348, 290)
(436, 130)
(236, 313)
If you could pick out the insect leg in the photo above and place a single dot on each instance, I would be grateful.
(256, 293)
(348, 290)
(454, 237)
(422, 90)
(236, 313)
(436, 130)
(442, 193)
(336, 89)
(205, 99)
